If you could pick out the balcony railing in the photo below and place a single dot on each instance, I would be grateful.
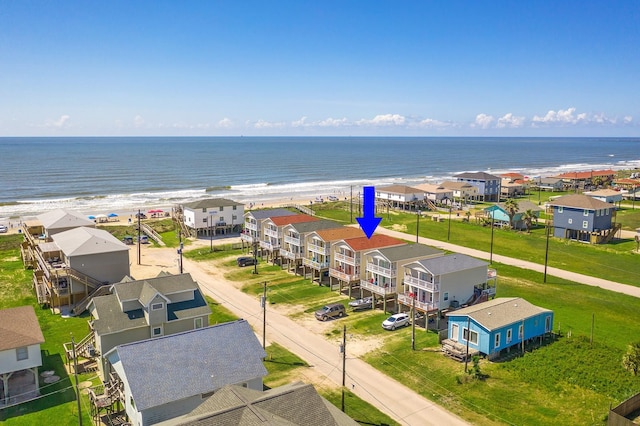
(294, 241)
(347, 259)
(343, 276)
(315, 265)
(378, 289)
(271, 233)
(315, 248)
(422, 284)
(269, 246)
(251, 226)
(247, 237)
(289, 254)
(406, 300)
(377, 269)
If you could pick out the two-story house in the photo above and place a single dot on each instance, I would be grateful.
(252, 230)
(384, 272)
(488, 185)
(318, 250)
(346, 258)
(272, 234)
(401, 197)
(143, 309)
(583, 218)
(20, 356)
(214, 216)
(293, 246)
(462, 192)
(170, 376)
(434, 284)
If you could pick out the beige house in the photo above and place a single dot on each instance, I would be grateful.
(294, 241)
(252, 230)
(435, 193)
(399, 197)
(60, 220)
(214, 216)
(272, 233)
(462, 191)
(143, 309)
(20, 356)
(318, 249)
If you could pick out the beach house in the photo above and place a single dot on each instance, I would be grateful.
(401, 197)
(252, 230)
(213, 216)
(20, 356)
(167, 377)
(272, 233)
(384, 272)
(586, 180)
(553, 184)
(462, 192)
(346, 258)
(500, 214)
(446, 282)
(606, 195)
(435, 194)
(60, 220)
(143, 309)
(495, 326)
(488, 185)
(582, 218)
(294, 242)
(318, 250)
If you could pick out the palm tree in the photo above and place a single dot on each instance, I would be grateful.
(511, 207)
(528, 218)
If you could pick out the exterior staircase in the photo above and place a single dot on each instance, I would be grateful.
(82, 305)
(151, 233)
(612, 233)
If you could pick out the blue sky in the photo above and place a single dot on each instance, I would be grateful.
(414, 68)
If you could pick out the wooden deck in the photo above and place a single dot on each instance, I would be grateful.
(457, 350)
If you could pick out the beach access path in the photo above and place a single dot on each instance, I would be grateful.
(388, 395)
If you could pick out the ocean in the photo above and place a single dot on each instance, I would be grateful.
(96, 175)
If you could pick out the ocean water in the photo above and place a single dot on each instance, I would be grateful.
(101, 175)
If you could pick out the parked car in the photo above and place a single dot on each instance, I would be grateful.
(330, 311)
(144, 239)
(128, 240)
(3, 229)
(359, 304)
(396, 321)
(332, 198)
(141, 215)
(246, 261)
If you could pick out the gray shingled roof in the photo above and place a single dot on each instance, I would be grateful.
(476, 175)
(500, 312)
(580, 201)
(85, 241)
(408, 251)
(450, 263)
(182, 365)
(264, 214)
(211, 202)
(398, 189)
(295, 404)
(317, 225)
(60, 218)
(19, 327)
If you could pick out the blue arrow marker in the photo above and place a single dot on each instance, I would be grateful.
(369, 222)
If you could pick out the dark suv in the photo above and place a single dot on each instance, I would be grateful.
(330, 311)
(246, 261)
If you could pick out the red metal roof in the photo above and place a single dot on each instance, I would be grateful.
(376, 241)
(296, 218)
(586, 175)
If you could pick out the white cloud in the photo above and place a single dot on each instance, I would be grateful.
(334, 122)
(263, 124)
(225, 123)
(430, 123)
(566, 116)
(299, 123)
(509, 120)
(59, 123)
(627, 119)
(483, 121)
(138, 121)
(383, 120)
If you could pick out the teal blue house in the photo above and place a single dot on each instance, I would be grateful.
(499, 213)
(494, 326)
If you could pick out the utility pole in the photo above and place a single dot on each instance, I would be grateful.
(418, 225)
(180, 253)
(449, 231)
(75, 373)
(139, 214)
(263, 302)
(491, 250)
(413, 322)
(255, 255)
(466, 357)
(210, 236)
(546, 252)
(343, 350)
(351, 206)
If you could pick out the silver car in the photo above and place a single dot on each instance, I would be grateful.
(396, 321)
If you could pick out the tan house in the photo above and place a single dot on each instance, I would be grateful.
(294, 242)
(272, 233)
(399, 197)
(318, 249)
(346, 258)
(252, 230)
(60, 220)
(213, 216)
(143, 309)
(462, 191)
(20, 356)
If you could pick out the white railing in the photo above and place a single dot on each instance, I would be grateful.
(268, 246)
(378, 289)
(271, 233)
(346, 259)
(406, 300)
(315, 265)
(343, 276)
(417, 282)
(247, 237)
(377, 269)
(292, 240)
(315, 248)
(251, 226)
(289, 254)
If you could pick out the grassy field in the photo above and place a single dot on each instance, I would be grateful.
(570, 378)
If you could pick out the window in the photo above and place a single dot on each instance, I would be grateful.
(520, 332)
(221, 208)
(509, 335)
(585, 224)
(586, 212)
(197, 323)
(204, 210)
(22, 353)
(547, 324)
(221, 219)
(474, 336)
(559, 209)
(204, 220)
(234, 217)
(234, 207)
(497, 341)
(157, 331)
(157, 306)
(570, 221)
(446, 296)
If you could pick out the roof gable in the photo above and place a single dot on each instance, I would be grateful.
(208, 358)
(500, 312)
(85, 241)
(61, 218)
(19, 327)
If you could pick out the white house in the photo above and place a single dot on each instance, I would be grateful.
(214, 216)
(399, 196)
(20, 357)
